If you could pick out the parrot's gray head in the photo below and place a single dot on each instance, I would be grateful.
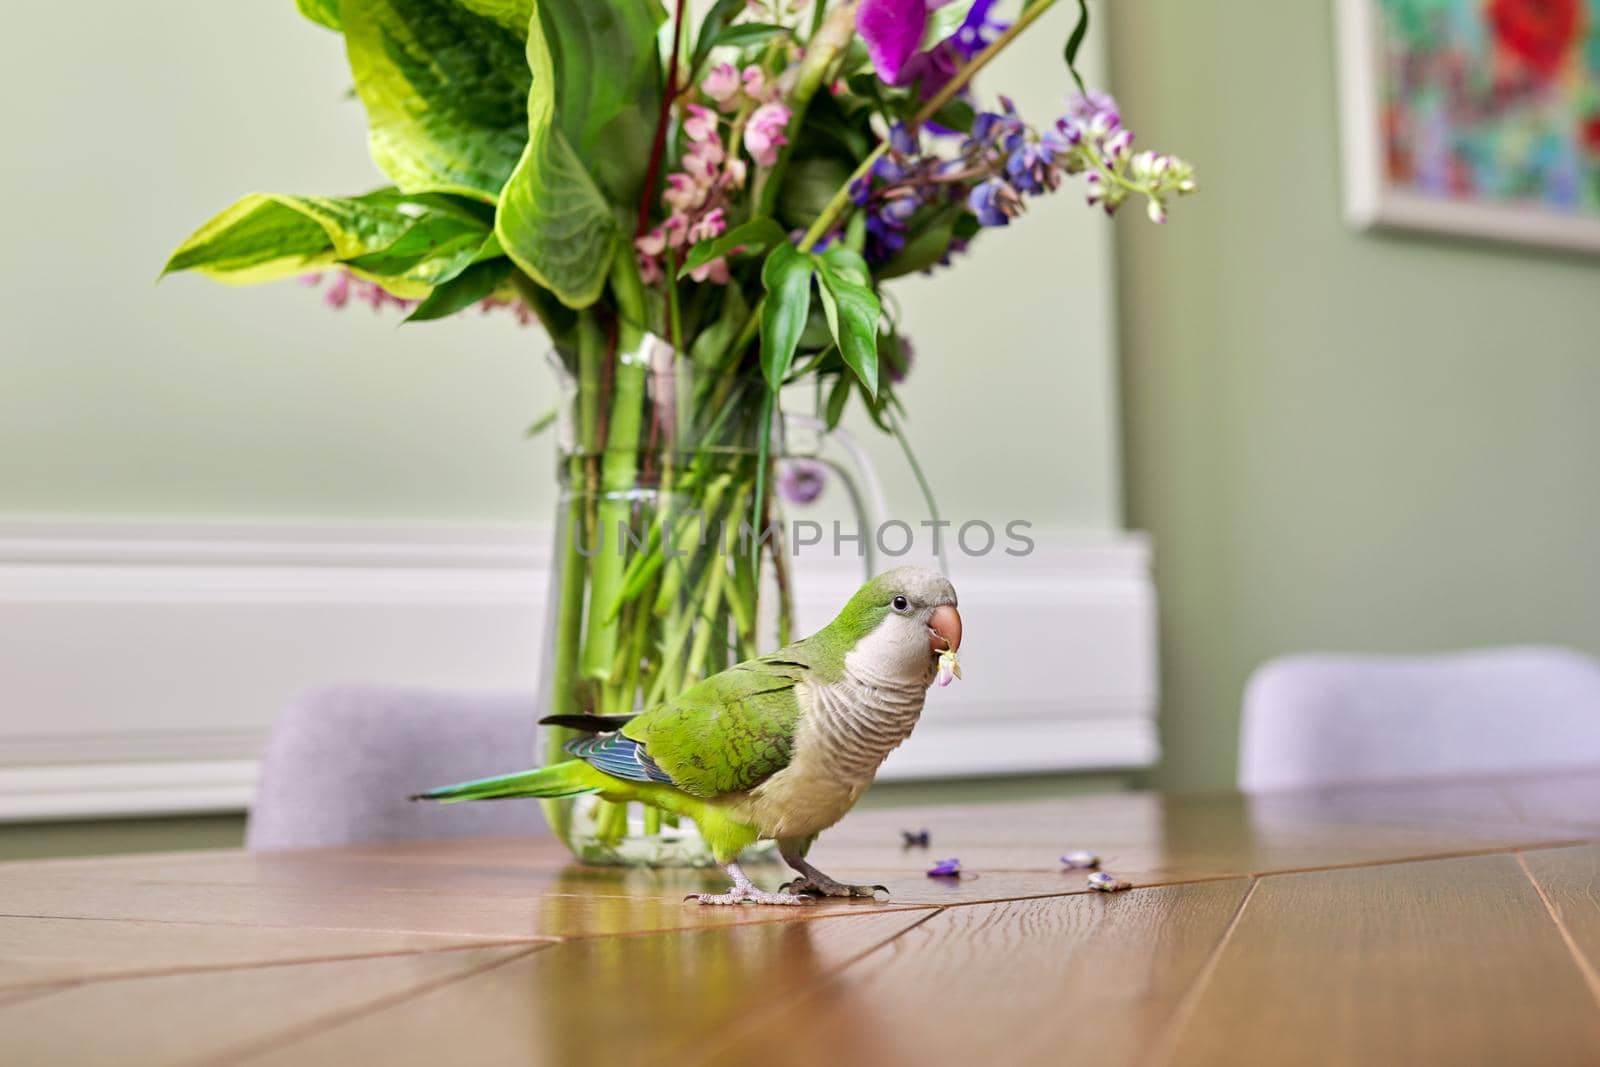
(899, 622)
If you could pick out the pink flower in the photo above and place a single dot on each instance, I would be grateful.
(715, 271)
(702, 167)
(651, 244)
(682, 193)
(764, 133)
(338, 294)
(710, 225)
(701, 124)
(722, 85)
(650, 270)
(755, 83)
(736, 172)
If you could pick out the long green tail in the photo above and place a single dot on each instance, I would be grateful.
(569, 779)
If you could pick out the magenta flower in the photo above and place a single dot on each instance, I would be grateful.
(893, 31)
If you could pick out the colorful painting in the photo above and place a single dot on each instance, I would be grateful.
(1481, 116)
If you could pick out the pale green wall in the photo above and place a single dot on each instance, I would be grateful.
(129, 124)
(121, 398)
(1339, 440)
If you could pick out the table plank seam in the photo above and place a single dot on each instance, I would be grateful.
(1496, 850)
(1164, 1049)
(1591, 977)
(51, 985)
(301, 1031)
(757, 1019)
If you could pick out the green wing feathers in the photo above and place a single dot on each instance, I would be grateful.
(730, 732)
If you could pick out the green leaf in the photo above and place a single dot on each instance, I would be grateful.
(445, 89)
(436, 248)
(514, 15)
(607, 85)
(543, 423)
(710, 345)
(322, 12)
(553, 220)
(464, 290)
(754, 237)
(852, 309)
(746, 34)
(956, 115)
(944, 21)
(926, 245)
(837, 398)
(267, 236)
(721, 13)
(787, 277)
(1075, 42)
(807, 188)
(846, 261)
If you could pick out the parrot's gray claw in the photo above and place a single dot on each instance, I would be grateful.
(830, 888)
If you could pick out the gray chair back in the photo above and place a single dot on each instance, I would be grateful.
(341, 762)
(1321, 720)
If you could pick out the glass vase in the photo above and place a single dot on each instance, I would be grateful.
(661, 573)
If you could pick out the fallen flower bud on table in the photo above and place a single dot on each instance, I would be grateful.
(915, 837)
(1082, 861)
(950, 868)
(1101, 882)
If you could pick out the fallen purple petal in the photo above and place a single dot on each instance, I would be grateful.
(1101, 882)
(915, 837)
(950, 868)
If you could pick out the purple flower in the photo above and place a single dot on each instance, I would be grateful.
(950, 868)
(893, 30)
(800, 481)
(988, 201)
(915, 837)
(899, 364)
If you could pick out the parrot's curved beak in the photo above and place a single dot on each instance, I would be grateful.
(944, 629)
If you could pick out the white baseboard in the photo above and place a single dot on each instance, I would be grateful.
(142, 664)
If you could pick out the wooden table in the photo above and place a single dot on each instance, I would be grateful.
(1454, 923)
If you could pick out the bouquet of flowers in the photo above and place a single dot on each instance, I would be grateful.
(698, 212)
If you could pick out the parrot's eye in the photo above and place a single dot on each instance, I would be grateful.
(899, 603)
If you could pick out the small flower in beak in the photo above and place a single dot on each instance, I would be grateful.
(950, 868)
(949, 669)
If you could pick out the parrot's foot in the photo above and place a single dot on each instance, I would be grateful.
(750, 896)
(744, 891)
(827, 887)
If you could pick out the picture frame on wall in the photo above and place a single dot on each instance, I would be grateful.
(1479, 118)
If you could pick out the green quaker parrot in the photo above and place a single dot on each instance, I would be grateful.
(778, 747)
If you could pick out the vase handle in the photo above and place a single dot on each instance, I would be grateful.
(858, 476)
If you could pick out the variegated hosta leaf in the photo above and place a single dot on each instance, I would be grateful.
(553, 221)
(322, 12)
(608, 86)
(407, 243)
(512, 14)
(445, 90)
